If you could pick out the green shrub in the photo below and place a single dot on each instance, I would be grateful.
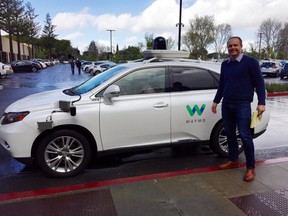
(276, 87)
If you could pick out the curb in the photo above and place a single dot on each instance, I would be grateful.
(274, 94)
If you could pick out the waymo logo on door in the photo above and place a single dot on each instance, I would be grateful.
(195, 109)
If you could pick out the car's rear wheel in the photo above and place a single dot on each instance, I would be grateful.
(97, 72)
(218, 141)
(63, 153)
(277, 74)
(34, 69)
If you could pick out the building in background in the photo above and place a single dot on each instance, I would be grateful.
(7, 57)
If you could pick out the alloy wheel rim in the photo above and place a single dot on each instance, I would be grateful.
(64, 154)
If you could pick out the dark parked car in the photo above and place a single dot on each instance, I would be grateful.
(25, 65)
(284, 71)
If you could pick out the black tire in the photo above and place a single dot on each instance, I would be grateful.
(34, 69)
(277, 74)
(97, 72)
(58, 160)
(218, 142)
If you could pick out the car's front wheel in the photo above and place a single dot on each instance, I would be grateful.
(63, 153)
(218, 141)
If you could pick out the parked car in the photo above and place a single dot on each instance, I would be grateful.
(284, 71)
(25, 65)
(40, 62)
(5, 70)
(85, 63)
(101, 68)
(146, 104)
(270, 68)
(48, 62)
(88, 68)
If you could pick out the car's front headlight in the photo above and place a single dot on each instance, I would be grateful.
(12, 117)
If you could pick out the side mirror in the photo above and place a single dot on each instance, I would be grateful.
(109, 93)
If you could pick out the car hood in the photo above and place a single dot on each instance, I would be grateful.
(40, 101)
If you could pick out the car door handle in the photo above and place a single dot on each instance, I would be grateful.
(160, 105)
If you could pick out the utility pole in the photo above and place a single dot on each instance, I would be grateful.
(180, 24)
(110, 30)
(260, 37)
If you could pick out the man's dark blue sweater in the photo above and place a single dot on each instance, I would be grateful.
(239, 79)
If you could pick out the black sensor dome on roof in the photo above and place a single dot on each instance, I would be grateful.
(160, 51)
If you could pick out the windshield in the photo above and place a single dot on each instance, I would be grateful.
(94, 81)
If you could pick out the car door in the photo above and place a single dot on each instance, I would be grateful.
(192, 92)
(140, 116)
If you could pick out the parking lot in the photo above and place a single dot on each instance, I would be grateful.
(273, 144)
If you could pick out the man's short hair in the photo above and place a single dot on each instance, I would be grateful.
(235, 37)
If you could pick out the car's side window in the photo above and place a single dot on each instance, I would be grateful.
(143, 81)
(191, 78)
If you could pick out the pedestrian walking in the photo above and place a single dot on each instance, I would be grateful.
(78, 65)
(72, 64)
(240, 76)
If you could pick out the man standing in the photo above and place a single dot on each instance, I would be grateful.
(240, 76)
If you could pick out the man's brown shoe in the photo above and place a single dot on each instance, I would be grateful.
(229, 165)
(249, 175)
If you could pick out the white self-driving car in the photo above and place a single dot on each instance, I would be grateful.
(150, 103)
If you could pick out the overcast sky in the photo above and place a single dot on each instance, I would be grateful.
(82, 21)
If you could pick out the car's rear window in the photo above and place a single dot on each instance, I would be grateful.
(267, 64)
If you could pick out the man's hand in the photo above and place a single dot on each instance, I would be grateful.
(260, 109)
(214, 108)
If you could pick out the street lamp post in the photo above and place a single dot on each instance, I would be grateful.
(110, 30)
(260, 37)
(180, 24)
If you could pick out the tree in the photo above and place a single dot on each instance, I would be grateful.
(222, 33)
(18, 22)
(10, 15)
(170, 43)
(63, 50)
(270, 30)
(131, 53)
(187, 42)
(33, 28)
(93, 51)
(283, 41)
(48, 36)
(149, 38)
(200, 35)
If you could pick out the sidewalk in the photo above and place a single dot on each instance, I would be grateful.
(207, 191)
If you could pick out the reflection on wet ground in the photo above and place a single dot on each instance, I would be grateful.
(274, 142)
(45, 79)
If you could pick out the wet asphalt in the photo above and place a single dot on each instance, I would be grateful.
(272, 144)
